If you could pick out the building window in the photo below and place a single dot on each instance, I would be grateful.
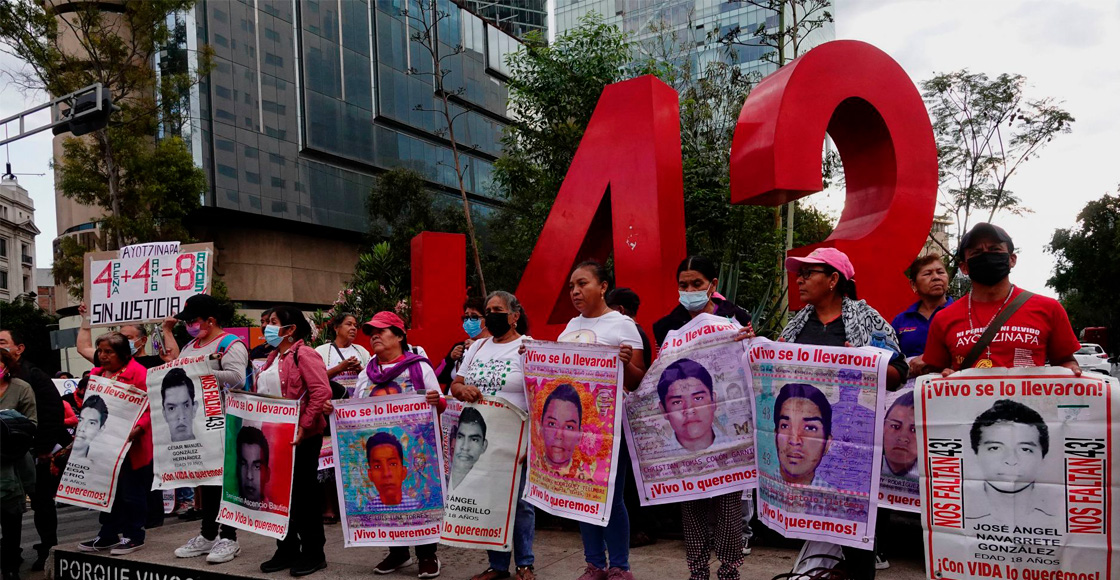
(272, 59)
(3, 279)
(3, 247)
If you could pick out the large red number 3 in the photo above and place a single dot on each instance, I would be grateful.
(864, 100)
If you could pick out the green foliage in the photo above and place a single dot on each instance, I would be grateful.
(986, 129)
(797, 19)
(1088, 266)
(25, 316)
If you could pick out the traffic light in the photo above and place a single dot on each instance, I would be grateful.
(88, 123)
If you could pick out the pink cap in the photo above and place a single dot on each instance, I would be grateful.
(829, 256)
(383, 319)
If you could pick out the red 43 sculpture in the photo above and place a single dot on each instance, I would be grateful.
(624, 192)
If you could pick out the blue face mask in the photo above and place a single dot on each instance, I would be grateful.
(694, 301)
(472, 326)
(272, 335)
(132, 346)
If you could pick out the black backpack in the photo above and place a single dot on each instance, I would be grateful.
(17, 434)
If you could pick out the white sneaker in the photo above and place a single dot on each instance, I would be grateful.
(881, 563)
(223, 551)
(197, 546)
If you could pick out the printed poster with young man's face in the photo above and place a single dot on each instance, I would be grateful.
(574, 393)
(1017, 473)
(388, 470)
(690, 423)
(819, 431)
(484, 445)
(898, 478)
(188, 424)
(109, 412)
(257, 478)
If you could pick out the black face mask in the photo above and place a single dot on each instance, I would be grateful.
(497, 323)
(989, 268)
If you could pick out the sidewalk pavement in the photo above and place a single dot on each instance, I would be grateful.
(559, 555)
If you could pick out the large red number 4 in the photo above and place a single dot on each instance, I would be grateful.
(864, 100)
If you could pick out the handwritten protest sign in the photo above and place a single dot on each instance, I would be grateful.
(1017, 478)
(690, 424)
(145, 283)
(575, 402)
(257, 479)
(484, 453)
(388, 470)
(109, 411)
(188, 424)
(820, 421)
(898, 479)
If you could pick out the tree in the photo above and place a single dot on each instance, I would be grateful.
(23, 315)
(426, 20)
(144, 186)
(986, 129)
(553, 89)
(1088, 266)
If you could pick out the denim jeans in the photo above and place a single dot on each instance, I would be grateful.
(614, 537)
(524, 520)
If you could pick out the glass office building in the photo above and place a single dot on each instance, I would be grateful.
(517, 17)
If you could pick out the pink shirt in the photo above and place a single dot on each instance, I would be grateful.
(306, 382)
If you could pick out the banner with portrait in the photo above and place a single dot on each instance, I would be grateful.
(257, 478)
(690, 424)
(575, 414)
(1017, 478)
(188, 424)
(898, 479)
(819, 424)
(484, 446)
(388, 470)
(109, 411)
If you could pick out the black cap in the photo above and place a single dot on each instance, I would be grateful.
(199, 306)
(987, 230)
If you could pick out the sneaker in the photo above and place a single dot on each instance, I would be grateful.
(593, 573)
(881, 562)
(526, 573)
(197, 546)
(222, 551)
(126, 546)
(491, 574)
(429, 567)
(619, 574)
(392, 563)
(305, 567)
(97, 544)
(748, 543)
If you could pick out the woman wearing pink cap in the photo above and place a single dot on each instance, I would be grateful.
(394, 369)
(833, 316)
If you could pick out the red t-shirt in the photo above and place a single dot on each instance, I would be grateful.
(1039, 331)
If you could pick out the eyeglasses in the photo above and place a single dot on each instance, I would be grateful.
(467, 317)
(806, 273)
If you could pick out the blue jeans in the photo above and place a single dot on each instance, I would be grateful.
(524, 521)
(614, 537)
(130, 508)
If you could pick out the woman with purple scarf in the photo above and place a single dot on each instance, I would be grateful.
(393, 370)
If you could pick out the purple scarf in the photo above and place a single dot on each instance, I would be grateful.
(410, 361)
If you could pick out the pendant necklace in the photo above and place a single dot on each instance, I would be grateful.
(986, 362)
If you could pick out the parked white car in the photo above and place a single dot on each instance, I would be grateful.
(1092, 357)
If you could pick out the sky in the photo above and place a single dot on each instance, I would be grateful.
(1067, 49)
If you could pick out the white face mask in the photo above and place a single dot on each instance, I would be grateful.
(694, 301)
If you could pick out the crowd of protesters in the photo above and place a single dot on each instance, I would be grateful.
(924, 338)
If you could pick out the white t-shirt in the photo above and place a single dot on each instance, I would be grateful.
(268, 381)
(611, 329)
(330, 353)
(496, 369)
(233, 364)
(364, 386)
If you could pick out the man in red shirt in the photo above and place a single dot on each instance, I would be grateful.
(1036, 334)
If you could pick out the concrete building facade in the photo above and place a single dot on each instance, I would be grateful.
(17, 241)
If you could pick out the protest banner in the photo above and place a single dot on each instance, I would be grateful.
(65, 387)
(575, 406)
(145, 282)
(1017, 478)
(819, 432)
(388, 470)
(188, 424)
(690, 425)
(898, 479)
(484, 445)
(257, 477)
(326, 454)
(109, 411)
